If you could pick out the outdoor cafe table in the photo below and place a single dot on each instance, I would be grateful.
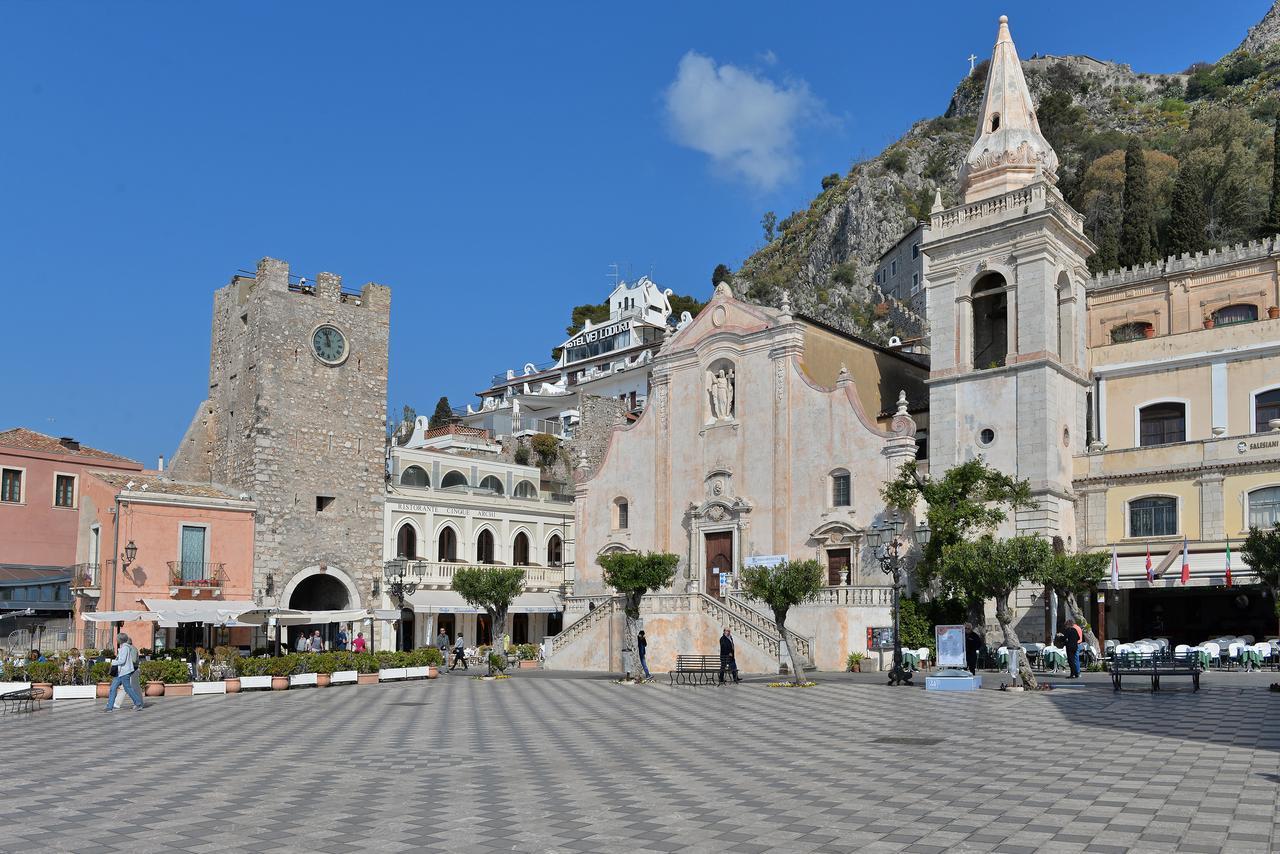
(1250, 658)
(910, 660)
(1053, 658)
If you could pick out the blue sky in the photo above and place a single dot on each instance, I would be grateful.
(487, 161)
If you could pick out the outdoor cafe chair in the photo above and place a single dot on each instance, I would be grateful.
(923, 652)
(1233, 653)
(1215, 653)
(1181, 652)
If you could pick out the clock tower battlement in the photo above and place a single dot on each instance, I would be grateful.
(296, 416)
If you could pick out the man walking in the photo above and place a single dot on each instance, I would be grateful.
(442, 644)
(1074, 639)
(459, 654)
(642, 644)
(727, 659)
(317, 642)
(126, 663)
(972, 643)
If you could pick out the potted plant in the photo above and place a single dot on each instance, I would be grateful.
(854, 661)
(366, 668)
(152, 673)
(528, 655)
(225, 662)
(391, 665)
(1208, 322)
(322, 665)
(100, 673)
(434, 659)
(177, 679)
(253, 672)
(344, 668)
(43, 675)
(1273, 311)
(1148, 331)
(279, 670)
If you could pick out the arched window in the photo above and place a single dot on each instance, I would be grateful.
(1162, 424)
(407, 542)
(1264, 508)
(1238, 313)
(990, 322)
(621, 514)
(415, 476)
(1130, 331)
(1266, 408)
(453, 480)
(1153, 517)
(555, 551)
(520, 550)
(525, 489)
(491, 484)
(484, 547)
(841, 489)
(447, 550)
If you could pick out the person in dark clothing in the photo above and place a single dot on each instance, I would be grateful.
(727, 660)
(642, 647)
(1074, 637)
(972, 643)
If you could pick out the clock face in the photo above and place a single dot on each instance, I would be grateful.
(329, 343)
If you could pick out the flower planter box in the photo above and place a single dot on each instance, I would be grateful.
(247, 682)
(6, 687)
(302, 679)
(342, 677)
(366, 679)
(392, 673)
(416, 672)
(218, 687)
(75, 692)
(178, 689)
(528, 665)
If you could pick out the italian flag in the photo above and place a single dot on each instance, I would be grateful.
(1228, 563)
(1186, 564)
(1150, 575)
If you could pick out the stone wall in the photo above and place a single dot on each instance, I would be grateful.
(293, 431)
(597, 416)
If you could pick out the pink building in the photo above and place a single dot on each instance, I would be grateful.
(192, 551)
(41, 479)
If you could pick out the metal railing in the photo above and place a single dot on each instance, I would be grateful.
(85, 576)
(192, 574)
(441, 573)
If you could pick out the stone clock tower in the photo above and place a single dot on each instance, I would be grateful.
(296, 417)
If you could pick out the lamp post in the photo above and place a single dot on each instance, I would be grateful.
(397, 588)
(890, 550)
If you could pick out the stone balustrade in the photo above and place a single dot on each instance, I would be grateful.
(440, 573)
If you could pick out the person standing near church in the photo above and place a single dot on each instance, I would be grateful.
(442, 644)
(642, 647)
(1074, 638)
(972, 644)
(727, 658)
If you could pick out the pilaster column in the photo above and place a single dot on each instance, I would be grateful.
(1212, 523)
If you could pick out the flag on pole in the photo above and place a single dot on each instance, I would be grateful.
(1115, 570)
(1228, 563)
(1151, 576)
(1186, 564)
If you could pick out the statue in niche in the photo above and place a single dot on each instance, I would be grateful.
(722, 394)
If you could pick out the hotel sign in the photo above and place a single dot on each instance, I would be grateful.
(1243, 447)
(593, 335)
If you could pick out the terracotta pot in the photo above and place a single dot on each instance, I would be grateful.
(433, 672)
(322, 680)
(279, 683)
(42, 690)
(178, 689)
(1208, 323)
(528, 665)
(366, 679)
(233, 685)
(155, 688)
(1149, 332)
(1273, 312)
(104, 690)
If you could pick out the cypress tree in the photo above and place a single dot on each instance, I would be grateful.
(1271, 226)
(1188, 216)
(442, 416)
(1135, 231)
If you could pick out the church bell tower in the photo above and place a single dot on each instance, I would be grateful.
(1009, 378)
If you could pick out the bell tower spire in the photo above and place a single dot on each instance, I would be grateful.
(1008, 150)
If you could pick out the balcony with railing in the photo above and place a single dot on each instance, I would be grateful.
(86, 580)
(440, 574)
(196, 577)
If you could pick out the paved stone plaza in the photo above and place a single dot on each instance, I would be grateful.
(551, 763)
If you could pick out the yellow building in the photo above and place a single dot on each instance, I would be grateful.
(1184, 438)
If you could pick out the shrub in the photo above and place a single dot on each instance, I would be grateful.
(527, 652)
(896, 160)
(284, 665)
(546, 446)
(100, 671)
(427, 656)
(854, 658)
(1241, 70)
(831, 180)
(256, 666)
(521, 455)
(497, 662)
(365, 662)
(324, 662)
(45, 671)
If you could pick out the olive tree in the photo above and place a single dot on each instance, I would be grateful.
(992, 569)
(634, 574)
(1070, 575)
(1262, 553)
(782, 587)
(493, 588)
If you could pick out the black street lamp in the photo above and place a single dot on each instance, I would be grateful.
(889, 551)
(397, 588)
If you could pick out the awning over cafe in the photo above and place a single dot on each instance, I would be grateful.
(536, 603)
(118, 616)
(169, 613)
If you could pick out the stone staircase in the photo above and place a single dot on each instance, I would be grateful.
(600, 615)
(744, 609)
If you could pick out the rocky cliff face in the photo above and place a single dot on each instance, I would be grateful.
(826, 255)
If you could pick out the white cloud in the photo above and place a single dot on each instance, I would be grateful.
(744, 122)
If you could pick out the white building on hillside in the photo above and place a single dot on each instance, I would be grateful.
(609, 359)
(452, 501)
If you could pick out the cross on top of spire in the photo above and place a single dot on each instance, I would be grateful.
(1008, 151)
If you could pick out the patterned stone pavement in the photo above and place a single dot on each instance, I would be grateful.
(552, 763)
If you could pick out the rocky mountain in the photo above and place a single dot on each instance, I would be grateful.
(1212, 124)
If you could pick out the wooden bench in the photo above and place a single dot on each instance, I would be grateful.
(695, 670)
(23, 700)
(1155, 667)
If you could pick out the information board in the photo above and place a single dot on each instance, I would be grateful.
(950, 646)
(879, 637)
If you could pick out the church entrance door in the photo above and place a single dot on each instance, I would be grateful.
(837, 562)
(719, 558)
